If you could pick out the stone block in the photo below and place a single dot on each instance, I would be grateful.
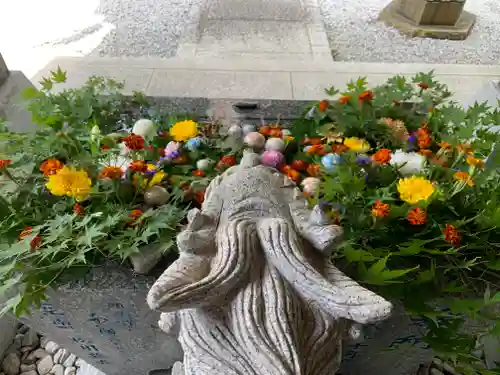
(440, 19)
(4, 71)
(103, 319)
(432, 12)
(12, 107)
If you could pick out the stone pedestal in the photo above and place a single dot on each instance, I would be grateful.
(442, 19)
(11, 105)
(258, 29)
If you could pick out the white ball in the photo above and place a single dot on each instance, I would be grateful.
(311, 185)
(248, 128)
(255, 140)
(144, 127)
(275, 144)
(235, 131)
(204, 164)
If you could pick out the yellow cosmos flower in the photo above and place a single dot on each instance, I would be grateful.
(184, 130)
(157, 178)
(70, 182)
(356, 144)
(415, 189)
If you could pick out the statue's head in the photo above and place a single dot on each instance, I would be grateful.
(254, 279)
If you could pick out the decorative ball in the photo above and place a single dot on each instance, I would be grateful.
(156, 196)
(204, 164)
(273, 158)
(255, 140)
(286, 133)
(235, 131)
(248, 128)
(310, 185)
(275, 144)
(144, 127)
(194, 143)
(330, 161)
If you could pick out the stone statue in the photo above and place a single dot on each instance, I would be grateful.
(253, 291)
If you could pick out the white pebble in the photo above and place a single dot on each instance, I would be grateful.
(51, 347)
(61, 355)
(70, 371)
(70, 361)
(40, 353)
(57, 370)
(45, 365)
(144, 127)
(26, 368)
(235, 131)
(30, 372)
(11, 364)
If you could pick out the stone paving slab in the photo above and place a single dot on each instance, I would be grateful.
(272, 10)
(257, 79)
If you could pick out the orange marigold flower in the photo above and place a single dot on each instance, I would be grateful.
(445, 146)
(111, 172)
(323, 105)
(464, 148)
(50, 167)
(35, 242)
(344, 99)
(380, 209)
(424, 139)
(294, 175)
(138, 166)
(181, 159)
(78, 209)
(313, 170)
(134, 142)
(339, 148)
(199, 196)
(228, 160)
(475, 161)
(417, 216)
(312, 141)
(451, 235)
(4, 163)
(299, 165)
(134, 216)
(265, 130)
(382, 156)
(423, 85)
(284, 168)
(463, 176)
(105, 148)
(366, 96)
(425, 152)
(275, 133)
(199, 173)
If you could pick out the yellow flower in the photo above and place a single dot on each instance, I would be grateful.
(184, 130)
(357, 144)
(415, 189)
(157, 178)
(70, 182)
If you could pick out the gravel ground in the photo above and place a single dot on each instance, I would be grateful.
(356, 35)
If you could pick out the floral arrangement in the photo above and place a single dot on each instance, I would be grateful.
(96, 185)
(412, 178)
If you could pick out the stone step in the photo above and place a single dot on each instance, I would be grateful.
(265, 78)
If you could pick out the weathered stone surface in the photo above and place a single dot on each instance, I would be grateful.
(11, 364)
(439, 19)
(4, 71)
(51, 347)
(246, 282)
(57, 370)
(45, 365)
(30, 338)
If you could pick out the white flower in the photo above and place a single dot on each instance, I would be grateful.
(408, 163)
(119, 161)
(144, 127)
(124, 150)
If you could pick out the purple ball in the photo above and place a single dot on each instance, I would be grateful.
(273, 158)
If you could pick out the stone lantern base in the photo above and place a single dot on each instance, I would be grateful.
(441, 19)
